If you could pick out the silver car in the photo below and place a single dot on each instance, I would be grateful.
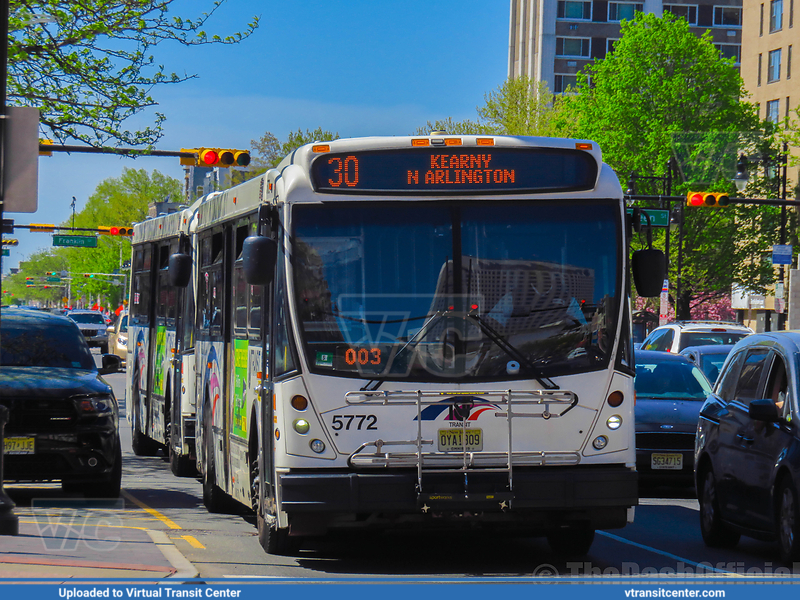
(93, 327)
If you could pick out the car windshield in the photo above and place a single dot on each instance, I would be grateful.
(711, 364)
(670, 380)
(123, 325)
(88, 318)
(460, 292)
(709, 338)
(29, 343)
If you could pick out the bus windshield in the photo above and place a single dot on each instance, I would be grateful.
(459, 292)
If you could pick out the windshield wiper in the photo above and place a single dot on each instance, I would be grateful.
(513, 352)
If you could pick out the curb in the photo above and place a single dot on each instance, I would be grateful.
(183, 568)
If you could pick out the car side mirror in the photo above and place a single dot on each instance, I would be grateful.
(110, 329)
(763, 410)
(111, 364)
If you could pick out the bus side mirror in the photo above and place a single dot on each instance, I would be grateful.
(649, 270)
(259, 255)
(180, 269)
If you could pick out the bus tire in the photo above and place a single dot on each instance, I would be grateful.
(274, 540)
(181, 465)
(214, 498)
(140, 443)
(572, 541)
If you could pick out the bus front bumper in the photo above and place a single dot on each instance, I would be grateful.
(543, 497)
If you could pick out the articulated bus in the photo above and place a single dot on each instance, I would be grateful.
(425, 331)
(161, 416)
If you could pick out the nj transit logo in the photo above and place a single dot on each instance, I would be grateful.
(458, 408)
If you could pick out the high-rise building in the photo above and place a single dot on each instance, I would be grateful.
(769, 36)
(551, 40)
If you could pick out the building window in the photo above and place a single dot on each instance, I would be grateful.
(623, 10)
(733, 51)
(775, 15)
(687, 11)
(610, 44)
(570, 9)
(774, 68)
(791, 13)
(787, 107)
(573, 46)
(564, 82)
(773, 108)
(761, 22)
(789, 63)
(758, 81)
(727, 16)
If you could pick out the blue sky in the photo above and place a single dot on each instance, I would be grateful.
(356, 67)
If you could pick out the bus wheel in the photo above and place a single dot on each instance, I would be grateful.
(181, 465)
(274, 540)
(213, 497)
(140, 443)
(572, 541)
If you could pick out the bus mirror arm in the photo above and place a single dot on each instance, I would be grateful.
(260, 255)
(180, 269)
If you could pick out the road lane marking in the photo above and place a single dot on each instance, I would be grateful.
(151, 511)
(706, 567)
(193, 542)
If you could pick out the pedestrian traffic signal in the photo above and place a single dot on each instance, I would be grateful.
(706, 199)
(114, 230)
(216, 157)
(10, 242)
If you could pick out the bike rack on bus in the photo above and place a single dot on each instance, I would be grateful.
(554, 403)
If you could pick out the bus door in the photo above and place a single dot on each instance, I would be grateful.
(245, 359)
(162, 344)
(141, 320)
(210, 346)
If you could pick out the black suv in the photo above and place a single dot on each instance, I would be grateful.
(63, 418)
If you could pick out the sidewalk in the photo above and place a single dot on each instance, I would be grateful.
(59, 550)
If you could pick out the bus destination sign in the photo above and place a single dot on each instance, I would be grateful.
(455, 170)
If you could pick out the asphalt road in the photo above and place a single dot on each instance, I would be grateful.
(663, 540)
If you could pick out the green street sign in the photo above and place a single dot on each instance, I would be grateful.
(77, 241)
(658, 217)
(5, 252)
(53, 279)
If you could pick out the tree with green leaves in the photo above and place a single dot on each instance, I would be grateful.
(88, 64)
(665, 93)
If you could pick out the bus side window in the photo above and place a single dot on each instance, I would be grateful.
(240, 297)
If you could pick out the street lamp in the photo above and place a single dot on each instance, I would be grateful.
(741, 180)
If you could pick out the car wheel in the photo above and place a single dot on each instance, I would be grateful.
(573, 541)
(788, 521)
(715, 533)
(110, 487)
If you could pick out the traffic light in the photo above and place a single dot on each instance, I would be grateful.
(217, 157)
(10, 242)
(705, 199)
(114, 230)
(29, 279)
(90, 275)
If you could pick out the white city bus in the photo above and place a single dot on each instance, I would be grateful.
(158, 337)
(430, 331)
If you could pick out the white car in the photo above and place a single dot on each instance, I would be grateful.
(674, 337)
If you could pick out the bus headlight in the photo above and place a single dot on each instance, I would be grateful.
(614, 422)
(317, 446)
(600, 442)
(301, 426)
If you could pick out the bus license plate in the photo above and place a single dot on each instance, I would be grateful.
(666, 461)
(19, 445)
(453, 440)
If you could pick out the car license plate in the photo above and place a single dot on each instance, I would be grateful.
(458, 440)
(19, 445)
(666, 461)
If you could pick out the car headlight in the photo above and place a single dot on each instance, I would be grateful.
(96, 405)
(122, 341)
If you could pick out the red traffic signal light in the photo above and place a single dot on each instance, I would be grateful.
(114, 230)
(217, 157)
(696, 199)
